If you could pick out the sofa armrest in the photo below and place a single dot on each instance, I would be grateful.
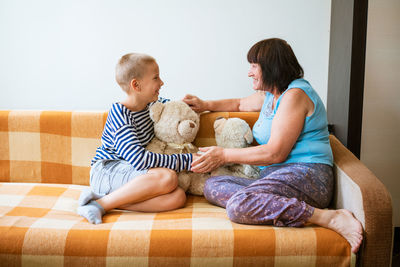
(361, 192)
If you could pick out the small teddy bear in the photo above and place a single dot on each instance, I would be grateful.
(234, 133)
(175, 128)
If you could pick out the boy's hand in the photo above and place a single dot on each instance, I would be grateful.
(210, 159)
(195, 156)
(195, 103)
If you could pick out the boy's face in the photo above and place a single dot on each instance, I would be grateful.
(151, 83)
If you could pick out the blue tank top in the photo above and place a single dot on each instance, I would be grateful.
(312, 146)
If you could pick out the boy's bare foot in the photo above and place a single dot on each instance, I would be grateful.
(344, 223)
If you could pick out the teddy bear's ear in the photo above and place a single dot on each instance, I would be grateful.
(156, 110)
(248, 136)
(219, 124)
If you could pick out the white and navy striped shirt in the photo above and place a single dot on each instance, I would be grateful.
(125, 136)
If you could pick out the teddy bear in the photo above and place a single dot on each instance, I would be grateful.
(175, 128)
(234, 133)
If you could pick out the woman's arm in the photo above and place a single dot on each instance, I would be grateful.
(253, 102)
(286, 128)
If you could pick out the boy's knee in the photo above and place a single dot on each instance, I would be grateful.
(168, 180)
(179, 198)
(176, 201)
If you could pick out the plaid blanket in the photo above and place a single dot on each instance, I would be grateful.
(39, 227)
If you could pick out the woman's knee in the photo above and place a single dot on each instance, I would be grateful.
(244, 207)
(213, 182)
(210, 186)
(235, 209)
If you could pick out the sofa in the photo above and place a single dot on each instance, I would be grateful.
(45, 163)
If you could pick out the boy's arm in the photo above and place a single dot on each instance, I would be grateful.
(129, 148)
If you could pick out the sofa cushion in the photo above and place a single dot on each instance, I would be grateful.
(39, 226)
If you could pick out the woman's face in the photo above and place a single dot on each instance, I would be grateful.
(255, 73)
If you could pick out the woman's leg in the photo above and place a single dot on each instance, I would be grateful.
(219, 189)
(285, 196)
(341, 221)
(292, 196)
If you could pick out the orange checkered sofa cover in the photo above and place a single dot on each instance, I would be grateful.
(45, 162)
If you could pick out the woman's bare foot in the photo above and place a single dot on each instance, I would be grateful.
(343, 222)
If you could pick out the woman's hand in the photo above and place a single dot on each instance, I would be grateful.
(211, 158)
(195, 103)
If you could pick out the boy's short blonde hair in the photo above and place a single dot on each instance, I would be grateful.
(131, 66)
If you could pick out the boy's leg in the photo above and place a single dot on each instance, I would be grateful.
(174, 200)
(88, 195)
(155, 182)
(101, 173)
(92, 212)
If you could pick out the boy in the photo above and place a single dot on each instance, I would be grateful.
(124, 174)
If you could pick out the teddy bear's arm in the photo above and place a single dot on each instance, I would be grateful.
(156, 146)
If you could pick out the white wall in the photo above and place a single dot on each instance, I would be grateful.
(380, 144)
(61, 54)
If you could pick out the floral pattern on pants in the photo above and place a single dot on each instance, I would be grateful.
(285, 195)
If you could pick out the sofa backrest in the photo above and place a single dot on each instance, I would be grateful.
(58, 146)
(206, 135)
(48, 146)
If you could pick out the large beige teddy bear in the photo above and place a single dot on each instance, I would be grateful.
(175, 128)
(234, 133)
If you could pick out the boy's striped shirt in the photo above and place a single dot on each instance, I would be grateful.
(125, 136)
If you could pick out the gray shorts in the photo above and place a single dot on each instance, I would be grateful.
(107, 176)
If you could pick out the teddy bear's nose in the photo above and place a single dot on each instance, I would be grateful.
(192, 125)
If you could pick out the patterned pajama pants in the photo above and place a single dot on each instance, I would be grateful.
(284, 195)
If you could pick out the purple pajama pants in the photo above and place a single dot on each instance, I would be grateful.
(284, 195)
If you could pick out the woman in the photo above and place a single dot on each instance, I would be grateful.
(294, 155)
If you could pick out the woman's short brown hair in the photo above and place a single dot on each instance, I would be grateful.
(279, 65)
